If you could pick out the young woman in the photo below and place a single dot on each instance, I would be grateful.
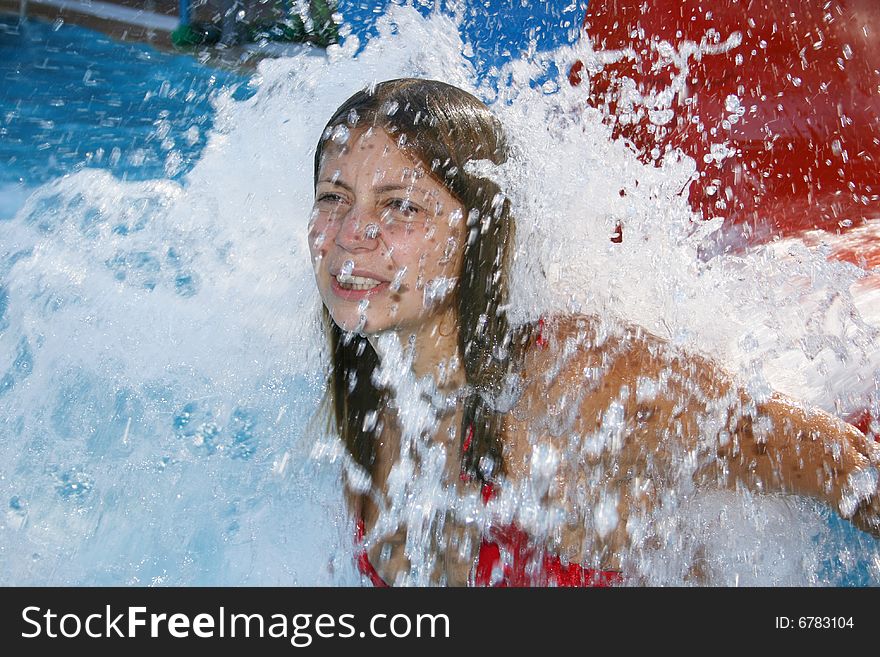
(579, 426)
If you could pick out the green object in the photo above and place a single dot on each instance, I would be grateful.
(326, 31)
(323, 32)
(291, 29)
(196, 34)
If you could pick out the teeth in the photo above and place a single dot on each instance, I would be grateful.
(356, 282)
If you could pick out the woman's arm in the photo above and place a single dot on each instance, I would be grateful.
(809, 452)
(778, 444)
(643, 409)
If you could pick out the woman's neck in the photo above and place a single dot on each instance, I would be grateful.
(429, 348)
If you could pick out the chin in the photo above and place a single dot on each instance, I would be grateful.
(350, 321)
(379, 319)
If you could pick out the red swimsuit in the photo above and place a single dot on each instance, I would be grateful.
(490, 570)
(514, 573)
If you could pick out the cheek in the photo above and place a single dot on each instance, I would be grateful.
(321, 230)
(429, 240)
(447, 247)
(415, 253)
(427, 251)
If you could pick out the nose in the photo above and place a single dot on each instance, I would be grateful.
(359, 230)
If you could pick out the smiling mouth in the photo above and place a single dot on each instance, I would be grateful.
(354, 291)
(356, 282)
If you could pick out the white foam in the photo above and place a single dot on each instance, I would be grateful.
(12, 197)
(162, 349)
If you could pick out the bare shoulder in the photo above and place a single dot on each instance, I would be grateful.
(569, 368)
(584, 368)
(573, 346)
(575, 350)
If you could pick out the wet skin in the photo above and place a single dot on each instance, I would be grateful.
(803, 451)
(379, 210)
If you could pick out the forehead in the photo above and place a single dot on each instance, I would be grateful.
(372, 148)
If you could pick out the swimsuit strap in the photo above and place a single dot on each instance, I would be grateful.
(541, 341)
(526, 566)
(363, 559)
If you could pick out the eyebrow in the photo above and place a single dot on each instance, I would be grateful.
(380, 190)
(338, 183)
(401, 186)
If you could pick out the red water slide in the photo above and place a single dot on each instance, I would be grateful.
(790, 88)
(786, 91)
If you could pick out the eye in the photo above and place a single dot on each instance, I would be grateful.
(403, 207)
(330, 198)
(330, 204)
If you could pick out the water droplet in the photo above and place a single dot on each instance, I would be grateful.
(605, 517)
(733, 104)
(660, 116)
(437, 288)
(398, 279)
(340, 134)
(362, 315)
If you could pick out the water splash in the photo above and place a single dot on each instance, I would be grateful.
(160, 349)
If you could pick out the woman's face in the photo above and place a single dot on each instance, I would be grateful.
(385, 237)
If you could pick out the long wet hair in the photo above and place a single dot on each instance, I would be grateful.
(441, 127)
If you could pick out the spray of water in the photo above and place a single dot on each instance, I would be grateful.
(160, 345)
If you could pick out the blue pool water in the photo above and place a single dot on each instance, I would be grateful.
(493, 32)
(158, 351)
(74, 98)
